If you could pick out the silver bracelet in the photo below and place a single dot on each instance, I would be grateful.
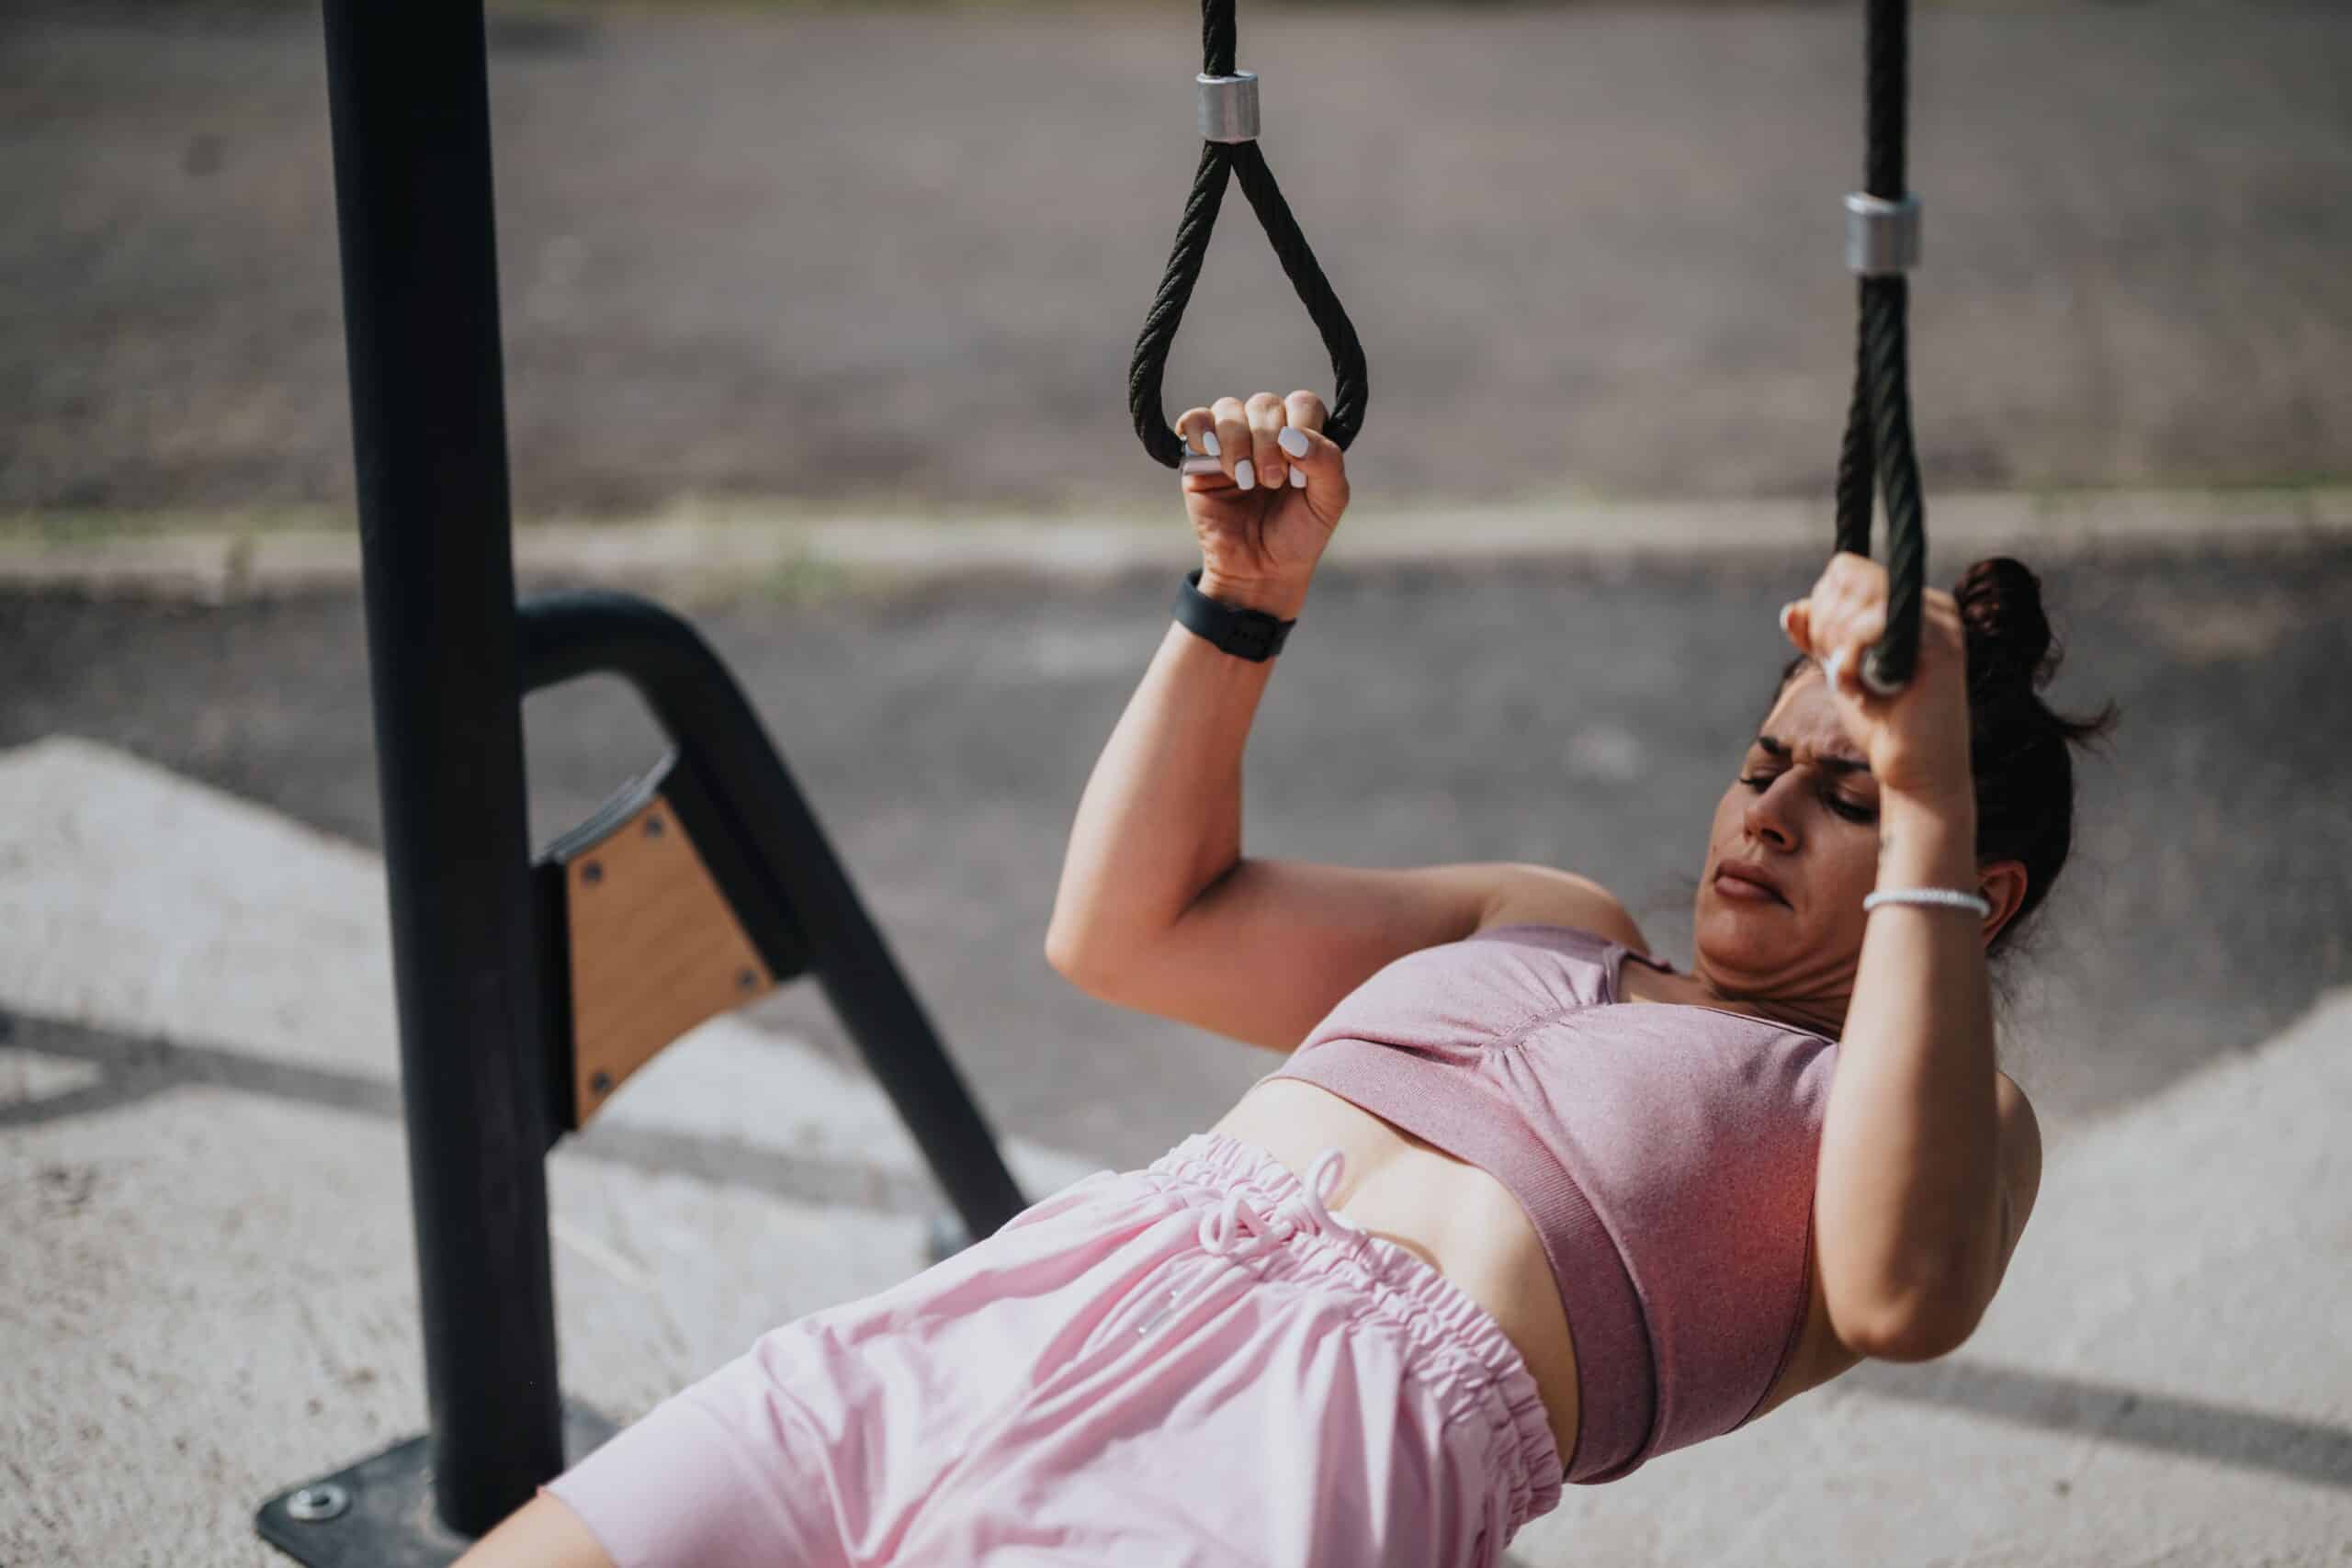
(1954, 898)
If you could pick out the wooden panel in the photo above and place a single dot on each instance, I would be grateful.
(655, 950)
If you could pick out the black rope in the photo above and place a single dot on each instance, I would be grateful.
(1877, 454)
(1245, 164)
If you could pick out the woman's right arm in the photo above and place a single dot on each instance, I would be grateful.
(1159, 911)
(1158, 908)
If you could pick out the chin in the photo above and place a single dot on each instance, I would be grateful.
(1731, 945)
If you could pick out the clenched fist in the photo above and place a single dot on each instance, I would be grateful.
(1267, 507)
(1917, 738)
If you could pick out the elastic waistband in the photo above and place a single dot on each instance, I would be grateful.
(1460, 1351)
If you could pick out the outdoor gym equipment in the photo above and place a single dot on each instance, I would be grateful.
(1882, 245)
(528, 994)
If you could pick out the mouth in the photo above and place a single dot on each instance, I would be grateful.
(1733, 883)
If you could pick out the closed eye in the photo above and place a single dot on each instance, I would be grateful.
(1846, 808)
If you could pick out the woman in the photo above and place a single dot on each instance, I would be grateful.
(1491, 1227)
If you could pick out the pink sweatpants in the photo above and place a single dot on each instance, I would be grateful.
(1189, 1364)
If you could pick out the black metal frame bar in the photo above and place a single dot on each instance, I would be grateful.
(732, 763)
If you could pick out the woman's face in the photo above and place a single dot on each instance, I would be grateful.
(1812, 826)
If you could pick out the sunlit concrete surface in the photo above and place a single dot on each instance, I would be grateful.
(2166, 1377)
(211, 1269)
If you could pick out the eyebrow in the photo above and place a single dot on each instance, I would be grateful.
(1833, 764)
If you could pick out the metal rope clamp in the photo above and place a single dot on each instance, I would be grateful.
(1228, 107)
(1882, 236)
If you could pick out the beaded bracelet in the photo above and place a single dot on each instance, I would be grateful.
(1953, 897)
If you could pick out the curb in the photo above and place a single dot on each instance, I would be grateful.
(733, 555)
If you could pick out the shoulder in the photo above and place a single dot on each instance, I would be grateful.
(1540, 895)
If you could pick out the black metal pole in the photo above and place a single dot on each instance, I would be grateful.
(408, 87)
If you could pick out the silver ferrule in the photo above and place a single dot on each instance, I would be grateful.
(1882, 236)
(1228, 107)
(1879, 685)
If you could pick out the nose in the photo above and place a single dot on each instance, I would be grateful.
(1767, 814)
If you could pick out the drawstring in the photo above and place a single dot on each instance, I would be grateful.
(1219, 1227)
(1228, 1229)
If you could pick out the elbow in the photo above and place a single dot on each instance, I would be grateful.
(1929, 1311)
(1063, 952)
(1941, 1324)
(1925, 1342)
(1916, 1319)
(1076, 962)
(1100, 954)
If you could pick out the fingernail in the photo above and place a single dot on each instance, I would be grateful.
(1292, 440)
(1245, 475)
(1208, 443)
(1786, 611)
(1298, 479)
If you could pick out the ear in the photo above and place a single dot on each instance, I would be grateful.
(2001, 884)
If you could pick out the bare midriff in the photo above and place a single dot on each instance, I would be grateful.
(1444, 1211)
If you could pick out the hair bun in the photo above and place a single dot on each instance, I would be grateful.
(2008, 634)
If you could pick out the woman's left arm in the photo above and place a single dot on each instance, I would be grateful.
(1908, 1197)
(1910, 1201)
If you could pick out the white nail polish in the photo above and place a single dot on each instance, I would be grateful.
(1245, 474)
(1292, 440)
(1298, 479)
(1208, 443)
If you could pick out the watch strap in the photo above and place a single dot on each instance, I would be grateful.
(1246, 634)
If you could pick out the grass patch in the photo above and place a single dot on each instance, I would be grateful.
(87, 526)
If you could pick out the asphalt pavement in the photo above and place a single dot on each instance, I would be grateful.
(835, 256)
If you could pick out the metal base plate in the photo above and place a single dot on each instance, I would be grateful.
(380, 1512)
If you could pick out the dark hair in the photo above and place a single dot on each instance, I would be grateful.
(2017, 746)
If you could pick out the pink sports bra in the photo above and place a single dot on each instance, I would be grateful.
(1665, 1155)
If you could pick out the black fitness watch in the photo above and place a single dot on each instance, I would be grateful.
(1246, 634)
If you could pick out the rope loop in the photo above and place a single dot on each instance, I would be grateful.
(1245, 164)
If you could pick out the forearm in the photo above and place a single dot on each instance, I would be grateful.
(1160, 816)
(1907, 1198)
